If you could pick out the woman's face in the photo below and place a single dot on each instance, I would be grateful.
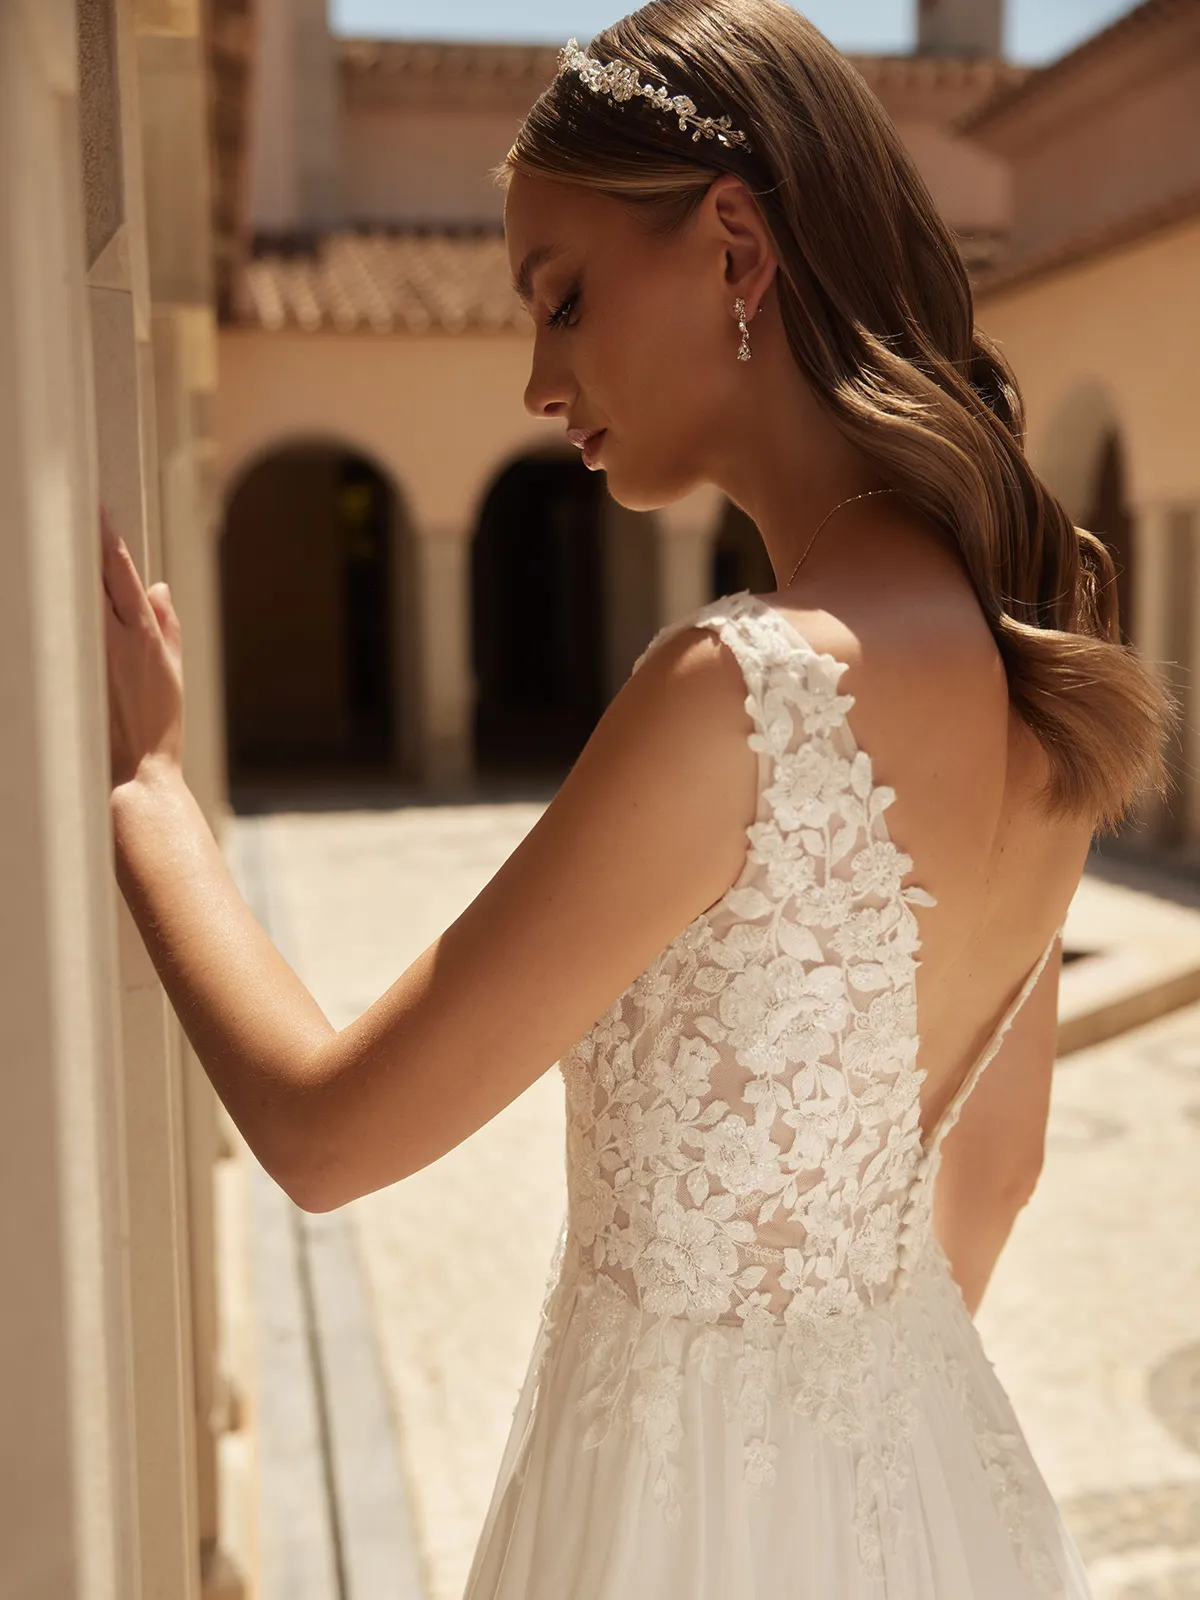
(633, 334)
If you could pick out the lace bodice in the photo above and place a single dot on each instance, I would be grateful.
(744, 1118)
(744, 1150)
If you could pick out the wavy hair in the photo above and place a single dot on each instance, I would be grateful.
(877, 306)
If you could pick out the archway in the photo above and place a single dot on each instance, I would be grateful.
(1068, 451)
(1110, 518)
(306, 577)
(1082, 459)
(538, 617)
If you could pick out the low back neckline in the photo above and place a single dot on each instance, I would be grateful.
(929, 1143)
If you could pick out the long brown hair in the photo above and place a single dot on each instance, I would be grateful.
(877, 306)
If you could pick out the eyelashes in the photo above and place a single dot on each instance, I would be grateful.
(557, 318)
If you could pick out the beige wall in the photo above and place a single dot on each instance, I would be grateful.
(1125, 325)
(108, 1386)
(424, 165)
(971, 186)
(414, 139)
(440, 414)
(1113, 345)
(1107, 138)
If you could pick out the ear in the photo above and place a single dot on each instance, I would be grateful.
(750, 260)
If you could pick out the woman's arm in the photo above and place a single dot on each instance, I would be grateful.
(647, 830)
(254, 1026)
(992, 1157)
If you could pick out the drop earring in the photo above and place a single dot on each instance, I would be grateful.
(744, 351)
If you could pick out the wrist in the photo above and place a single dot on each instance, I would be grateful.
(155, 776)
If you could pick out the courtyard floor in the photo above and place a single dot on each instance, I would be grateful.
(410, 1314)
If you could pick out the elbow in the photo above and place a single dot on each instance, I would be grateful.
(300, 1161)
(313, 1187)
(314, 1204)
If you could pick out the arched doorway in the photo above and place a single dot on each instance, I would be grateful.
(1109, 517)
(538, 618)
(306, 577)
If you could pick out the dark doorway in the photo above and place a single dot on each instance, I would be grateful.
(306, 605)
(1110, 518)
(537, 597)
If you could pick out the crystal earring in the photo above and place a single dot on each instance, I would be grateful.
(744, 351)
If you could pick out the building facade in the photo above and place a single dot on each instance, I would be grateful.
(1096, 301)
(418, 579)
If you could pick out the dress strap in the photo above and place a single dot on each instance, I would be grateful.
(951, 1114)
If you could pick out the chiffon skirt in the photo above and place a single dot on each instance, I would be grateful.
(573, 1519)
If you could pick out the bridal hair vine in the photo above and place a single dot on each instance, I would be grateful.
(619, 81)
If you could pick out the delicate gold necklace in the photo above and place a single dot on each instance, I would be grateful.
(866, 495)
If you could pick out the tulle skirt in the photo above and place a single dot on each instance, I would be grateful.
(579, 1517)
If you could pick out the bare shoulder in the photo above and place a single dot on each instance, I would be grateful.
(669, 760)
(931, 705)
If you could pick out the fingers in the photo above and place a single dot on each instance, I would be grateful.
(159, 596)
(122, 582)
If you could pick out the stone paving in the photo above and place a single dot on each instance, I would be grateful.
(1092, 1317)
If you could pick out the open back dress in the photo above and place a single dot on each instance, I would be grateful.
(755, 1378)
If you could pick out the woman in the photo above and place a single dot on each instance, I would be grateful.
(757, 1373)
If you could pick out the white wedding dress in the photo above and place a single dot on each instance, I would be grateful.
(755, 1377)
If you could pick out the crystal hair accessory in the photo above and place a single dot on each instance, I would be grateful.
(619, 81)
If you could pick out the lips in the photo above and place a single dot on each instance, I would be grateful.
(589, 441)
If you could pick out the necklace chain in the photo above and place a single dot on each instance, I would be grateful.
(866, 495)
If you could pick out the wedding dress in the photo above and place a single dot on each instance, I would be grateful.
(755, 1377)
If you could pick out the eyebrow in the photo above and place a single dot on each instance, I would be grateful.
(522, 283)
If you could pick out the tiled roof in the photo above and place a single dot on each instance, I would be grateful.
(1043, 84)
(1006, 275)
(415, 281)
(411, 281)
(982, 74)
(466, 74)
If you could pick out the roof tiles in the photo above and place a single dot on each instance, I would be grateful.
(415, 281)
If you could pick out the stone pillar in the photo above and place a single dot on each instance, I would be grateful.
(687, 532)
(173, 94)
(68, 1468)
(295, 165)
(156, 1172)
(1163, 633)
(445, 680)
(1183, 586)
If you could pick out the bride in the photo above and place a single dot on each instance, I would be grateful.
(805, 882)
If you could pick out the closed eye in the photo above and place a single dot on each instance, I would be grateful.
(558, 317)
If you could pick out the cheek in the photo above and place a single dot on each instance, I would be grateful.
(664, 365)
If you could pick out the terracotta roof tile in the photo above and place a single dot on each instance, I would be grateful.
(1044, 83)
(412, 281)
(1013, 274)
(409, 281)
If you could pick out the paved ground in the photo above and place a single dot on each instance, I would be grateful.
(1092, 1318)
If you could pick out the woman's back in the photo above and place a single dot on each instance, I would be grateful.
(932, 710)
(753, 1359)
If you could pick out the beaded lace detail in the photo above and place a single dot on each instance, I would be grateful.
(749, 1192)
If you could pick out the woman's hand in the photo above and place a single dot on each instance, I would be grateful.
(145, 665)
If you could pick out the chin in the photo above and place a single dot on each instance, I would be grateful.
(636, 494)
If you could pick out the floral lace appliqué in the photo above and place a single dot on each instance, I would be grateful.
(745, 1165)
(743, 1122)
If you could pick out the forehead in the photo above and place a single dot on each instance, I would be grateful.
(544, 218)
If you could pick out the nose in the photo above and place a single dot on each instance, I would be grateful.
(547, 394)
